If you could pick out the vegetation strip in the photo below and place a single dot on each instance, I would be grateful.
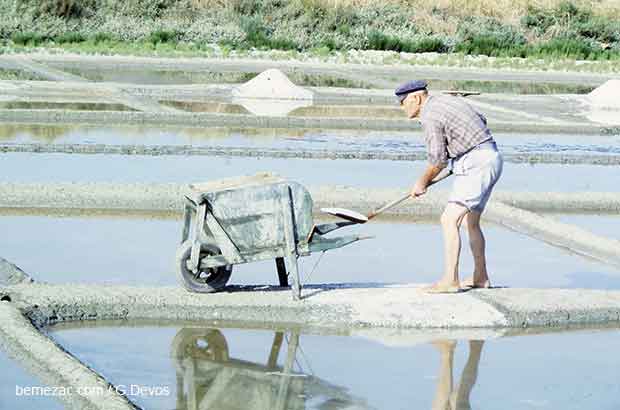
(566, 29)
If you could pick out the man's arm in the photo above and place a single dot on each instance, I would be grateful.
(437, 156)
(430, 173)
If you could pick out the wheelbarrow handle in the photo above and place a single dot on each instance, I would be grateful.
(404, 198)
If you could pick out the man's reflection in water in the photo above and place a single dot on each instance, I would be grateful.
(448, 398)
(209, 378)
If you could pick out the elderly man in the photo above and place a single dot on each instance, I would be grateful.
(457, 139)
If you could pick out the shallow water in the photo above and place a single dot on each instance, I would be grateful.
(142, 252)
(308, 139)
(606, 225)
(34, 167)
(228, 368)
(14, 379)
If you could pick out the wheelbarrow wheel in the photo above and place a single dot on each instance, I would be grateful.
(199, 343)
(205, 280)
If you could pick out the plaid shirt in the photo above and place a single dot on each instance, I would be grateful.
(451, 128)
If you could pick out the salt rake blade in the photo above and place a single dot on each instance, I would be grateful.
(347, 214)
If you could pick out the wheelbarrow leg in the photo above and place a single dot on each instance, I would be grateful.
(282, 275)
(290, 247)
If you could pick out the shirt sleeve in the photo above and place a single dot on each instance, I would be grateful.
(435, 139)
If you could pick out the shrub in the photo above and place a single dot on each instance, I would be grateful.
(101, 38)
(489, 37)
(283, 44)
(572, 20)
(246, 7)
(256, 34)
(58, 8)
(148, 9)
(430, 44)
(28, 38)
(330, 44)
(163, 36)
(71, 37)
(380, 41)
(490, 45)
(599, 28)
(575, 47)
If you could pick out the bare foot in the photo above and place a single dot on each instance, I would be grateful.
(443, 287)
(469, 283)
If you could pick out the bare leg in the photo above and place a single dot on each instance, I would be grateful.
(450, 223)
(469, 376)
(477, 244)
(444, 381)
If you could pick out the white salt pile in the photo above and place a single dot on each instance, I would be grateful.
(604, 103)
(607, 95)
(271, 93)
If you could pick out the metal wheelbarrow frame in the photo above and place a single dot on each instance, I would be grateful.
(247, 219)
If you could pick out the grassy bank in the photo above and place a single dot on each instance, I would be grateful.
(519, 28)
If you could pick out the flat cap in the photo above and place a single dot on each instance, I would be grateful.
(409, 87)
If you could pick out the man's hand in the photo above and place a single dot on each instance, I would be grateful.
(418, 189)
(421, 184)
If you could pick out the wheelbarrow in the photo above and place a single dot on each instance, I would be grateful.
(233, 221)
(210, 375)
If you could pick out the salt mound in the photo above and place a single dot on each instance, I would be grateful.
(272, 84)
(271, 93)
(603, 104)
(607, 95)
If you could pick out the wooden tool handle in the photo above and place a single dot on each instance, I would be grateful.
(389, 205)
(403, 198)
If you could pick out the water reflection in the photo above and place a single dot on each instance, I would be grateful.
(448, 397)
(208, 377)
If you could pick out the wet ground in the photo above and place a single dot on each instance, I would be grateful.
(142, 252)
(218, 367)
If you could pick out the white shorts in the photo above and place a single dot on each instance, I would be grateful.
(475, 175)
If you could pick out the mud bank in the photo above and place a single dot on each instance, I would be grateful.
(224, 151)
(168, 198)
(403, 306)
(242, 120)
